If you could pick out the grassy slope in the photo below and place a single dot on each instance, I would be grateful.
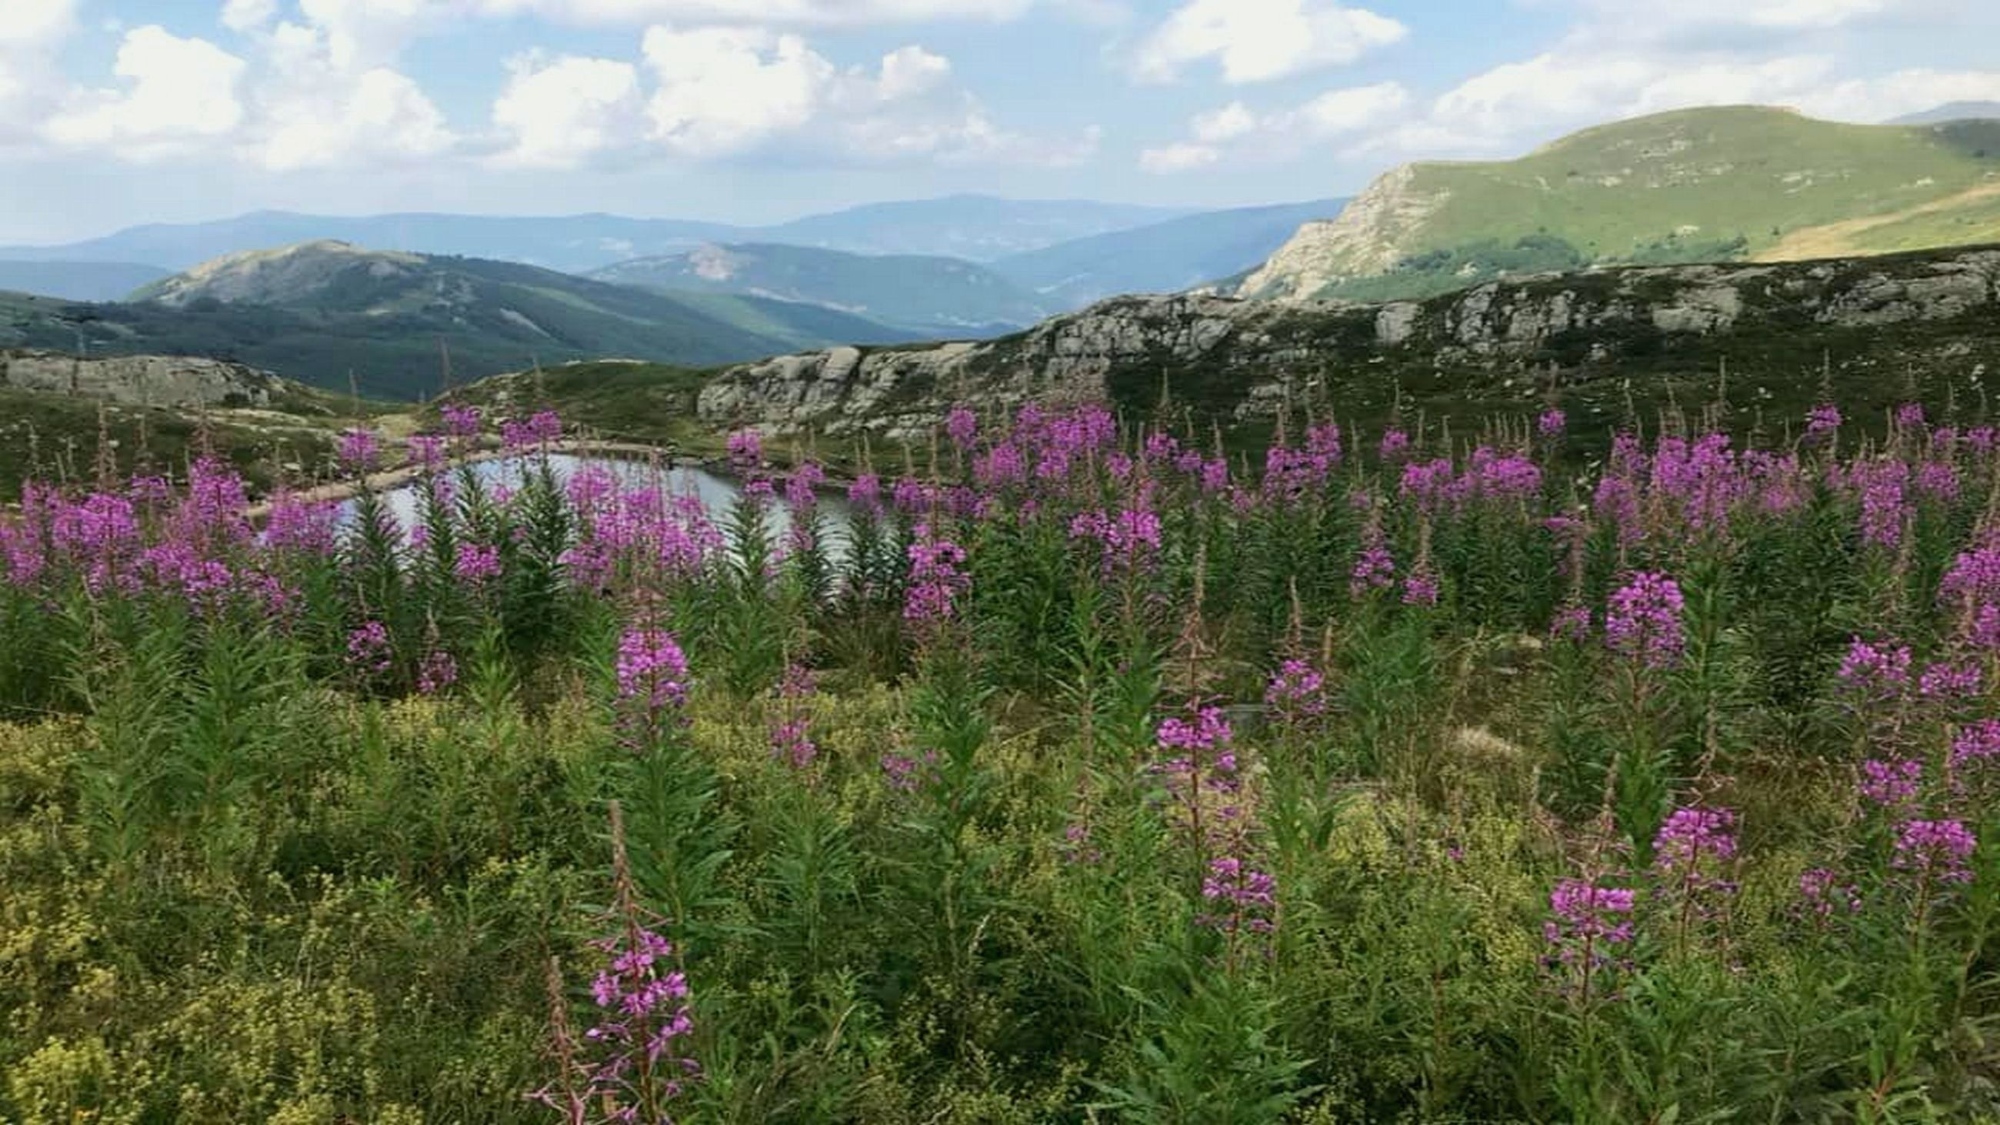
(1627, 191)
(638, 402)
(53, 437)
(1730, 171)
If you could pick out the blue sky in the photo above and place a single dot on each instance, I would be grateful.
(115, 112)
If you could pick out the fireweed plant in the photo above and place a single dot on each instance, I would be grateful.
(1063, 767)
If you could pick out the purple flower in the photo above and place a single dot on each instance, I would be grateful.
(1127, 539)
(1297, 693)
(1822, 420)
(1394, 447)
(436, 672)
(1643, 620)
(540, 428)
(1890, 784)
(1935, 849)
(1945, 679)
(1570, 623)
(476, 562)
(900, 771)
(1910, 415)
(1552, 423)
(1374, 568)
(652, 669)
(865, 494)
(1420, 588)
(1692, 835)
(1238, 898)
(1975, 743)
(426, 450)
(1589, 920)
(358, 450)
(460, 421)
(1693, 849)
(961, 426)
(1885, 504)
(368, 648)
(1877, 671)
(1822, 894)
(937, 578)
(1209, 730)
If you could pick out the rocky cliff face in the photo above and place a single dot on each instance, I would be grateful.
(1366, 238)
(179, 382)
(1494, 346)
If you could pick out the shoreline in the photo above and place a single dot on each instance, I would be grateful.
(390, 479)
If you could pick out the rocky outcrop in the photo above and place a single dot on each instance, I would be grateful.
(1239, 357)
(1368, 237)
(179, 382)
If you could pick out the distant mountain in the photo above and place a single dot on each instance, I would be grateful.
(77, 281)
(1163, 257)
(980, 228)
(323, 312)
(570, 242)
(1951, 111)
(1715, 184)
(934, 296)
(967, 226)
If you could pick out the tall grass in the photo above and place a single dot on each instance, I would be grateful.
(1085, 778)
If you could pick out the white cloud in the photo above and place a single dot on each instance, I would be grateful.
(725, 90)
(179, 92)
(1259, 40)
(248, 15)
(1235, 130)
(1904, 91)
(28, 77)
(909, 71)
(312, 107)
(1224, 124)
(1181, 156)
(377, 116)
(1345, 111)
(37, 24)
(1781, 15)
(561, 113)
(1559, 91)
(763, 13)
(360, 35)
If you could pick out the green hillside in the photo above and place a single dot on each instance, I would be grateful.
(926, 294)
(1714, 184)
(326, 313)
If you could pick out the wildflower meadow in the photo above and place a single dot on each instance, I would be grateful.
(1081, 771)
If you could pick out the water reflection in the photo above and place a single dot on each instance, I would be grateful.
(718, 494)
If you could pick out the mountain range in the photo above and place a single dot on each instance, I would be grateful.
(974, 227)
(1726, 184)
(389, 323)
(1715, 184)
(1951, 111)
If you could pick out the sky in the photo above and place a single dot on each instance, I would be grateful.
(120, 112)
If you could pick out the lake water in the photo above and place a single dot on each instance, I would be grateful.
(718, 493)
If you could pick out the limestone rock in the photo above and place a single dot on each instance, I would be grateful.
(181, 382)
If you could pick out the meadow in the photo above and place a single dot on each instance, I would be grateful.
(1093, 776)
